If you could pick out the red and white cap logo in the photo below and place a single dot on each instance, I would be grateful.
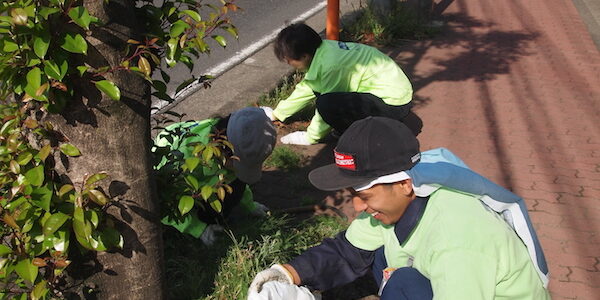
(345, 161)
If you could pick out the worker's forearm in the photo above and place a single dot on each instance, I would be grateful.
(295, 275)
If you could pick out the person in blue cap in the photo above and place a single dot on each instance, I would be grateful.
(429, 227)
(253, 138)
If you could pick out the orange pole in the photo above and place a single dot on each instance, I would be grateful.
(333, 20)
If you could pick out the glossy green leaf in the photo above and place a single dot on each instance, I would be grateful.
(51, 69)
(171, 51)
(95, 178)
(69, 149)
(220, 39)
(65, 189)
(27, 270)
(54, 223)
(39, 291)
(44, 152)
(46, 11)
(41, 43)
(24, 158)
(92, 216)
(4, 250)
(35, 176)
(193, 14)
(192, 181)
(8, 45)
(111, 238)
(60, 241)
(186, 203)
(42, 196)
(109, 88)
(83, 232)
(206, 192)
(232, 30)
(74, 43)
(191, 163)
(98, 197)
(15, 167)
(178, 28)
(216, 205)
(80, 16)
(7, 126)
(34, 81)
(82, 70)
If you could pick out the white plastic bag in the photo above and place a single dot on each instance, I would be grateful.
(276, 290)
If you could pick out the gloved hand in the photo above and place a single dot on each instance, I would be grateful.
(296, 138)
(209, 236)
(269, 112)
(260, 210)
(276, 272)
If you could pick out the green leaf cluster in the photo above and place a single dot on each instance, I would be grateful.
(40, 215)
(43, 54)
(200, 181)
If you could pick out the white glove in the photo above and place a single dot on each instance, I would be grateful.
(296, 138)
(260, 210)
(269, 112)
(276, 272)
(209, 236)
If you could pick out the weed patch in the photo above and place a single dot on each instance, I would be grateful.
(284, 158)
(225, 270)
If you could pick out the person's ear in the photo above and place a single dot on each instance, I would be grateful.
(406, 186)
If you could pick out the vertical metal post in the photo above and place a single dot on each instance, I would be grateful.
(333, 20)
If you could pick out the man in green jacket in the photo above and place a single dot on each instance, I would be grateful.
(349, 82)
(421, 242)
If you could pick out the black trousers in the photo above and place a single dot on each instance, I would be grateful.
(341, 109)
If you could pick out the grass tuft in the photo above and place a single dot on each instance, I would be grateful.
(225, 270)
(283, 89)
(399, 23)
(284, 158)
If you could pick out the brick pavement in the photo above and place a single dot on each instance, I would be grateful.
(513, 87)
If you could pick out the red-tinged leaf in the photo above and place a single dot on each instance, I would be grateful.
(10, 221)
(30, 123)
(38, 262)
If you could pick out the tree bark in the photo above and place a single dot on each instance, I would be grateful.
(114, 136)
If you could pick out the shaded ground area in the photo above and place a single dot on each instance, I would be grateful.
(512, 88)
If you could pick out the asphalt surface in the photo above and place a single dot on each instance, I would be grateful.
(255, 20)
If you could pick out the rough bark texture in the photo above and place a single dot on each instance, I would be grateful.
(114, 136)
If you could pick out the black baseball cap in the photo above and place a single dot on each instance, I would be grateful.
(368, 149)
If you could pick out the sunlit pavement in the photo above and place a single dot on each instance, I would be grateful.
(513, 87)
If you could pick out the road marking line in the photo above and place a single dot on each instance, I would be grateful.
(239, 57)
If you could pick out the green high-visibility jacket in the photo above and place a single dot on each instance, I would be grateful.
(346, 67)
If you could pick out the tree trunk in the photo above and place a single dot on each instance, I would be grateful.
(114, 136)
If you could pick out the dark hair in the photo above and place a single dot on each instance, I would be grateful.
(295, 41)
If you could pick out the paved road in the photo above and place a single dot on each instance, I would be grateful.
(257, 19)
